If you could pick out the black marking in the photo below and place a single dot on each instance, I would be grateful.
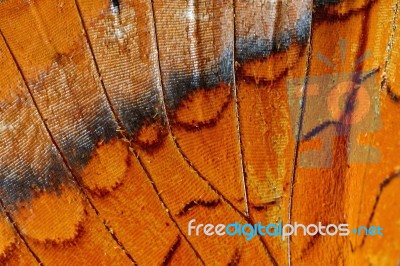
(168, 258)
(293, 177)
(318, 129)
(197, 203)
(199, 125)
(349, 108)
(179, 85)
(258, 48)
(386, 182)
(326, 2)
(321, 13)
(143, 112)
(263, 206)
(393, 96)
(115, 6)
(202, 177)
(100, 129)
(22, 182)
(263, 82)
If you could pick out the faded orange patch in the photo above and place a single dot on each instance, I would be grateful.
(26, 43)
(52, 217)
(105, 170)
(274, 66)
(150, 135)
(203, 107)
(7, 236)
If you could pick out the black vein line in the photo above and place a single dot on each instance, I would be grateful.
(198, 203)
(168, 258)
(318, 129)
(349, 108)
(162, 94)
(65, 161)
(246, 213)
(298, 135)
(160, 198)
(7, 213)
(356, 79)
(248, 219)
(392, 95)
(383, 85)
(119, 122)
(389, 49)
(386, 182)
(237, 117)
(351, 99)
(16, 229)
(115, 3)
(96, 65)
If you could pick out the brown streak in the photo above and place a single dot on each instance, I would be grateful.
(198, 125)
(235, 258)
(263, 81)
(386, 182)
(322, 15)
(168, 258)
(263, 206)
(148, 175)
(310, 245)
(197, 203)
(392, 95)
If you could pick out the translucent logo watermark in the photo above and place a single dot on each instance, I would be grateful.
(249, 231)
(334, 105)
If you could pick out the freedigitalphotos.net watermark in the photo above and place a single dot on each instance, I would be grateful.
(335, 105)
(249, 231)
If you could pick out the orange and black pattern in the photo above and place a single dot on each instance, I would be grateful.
(122, 120)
